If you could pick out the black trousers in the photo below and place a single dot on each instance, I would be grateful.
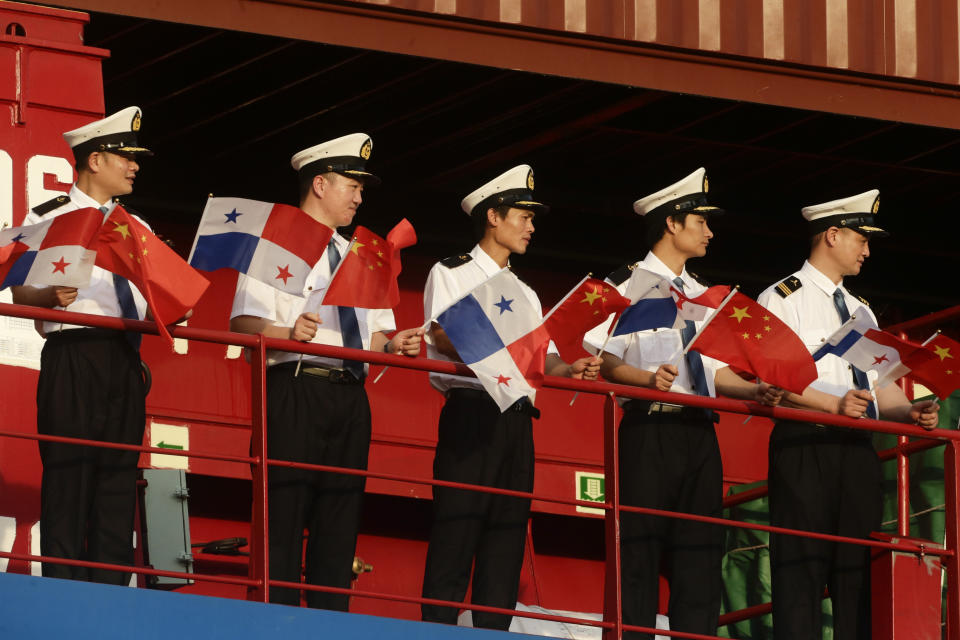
(90, 386)
(670, 461)
(827, 480)
(312, 420)
(479, 445)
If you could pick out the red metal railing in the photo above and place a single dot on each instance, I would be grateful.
(259, 583)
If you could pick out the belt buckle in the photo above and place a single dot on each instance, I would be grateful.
(337, 376)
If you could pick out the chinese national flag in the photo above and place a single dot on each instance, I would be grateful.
(587, 305)
(169, 284)
(367, 276)
(747, 336)
(941, 374)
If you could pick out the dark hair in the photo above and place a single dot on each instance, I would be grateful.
(655, 231)
(82, 162)
(306, 182)
(478, 218)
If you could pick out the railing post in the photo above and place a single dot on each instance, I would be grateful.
(259, 534)
(612, 609)
(903, 469)
(951, 495)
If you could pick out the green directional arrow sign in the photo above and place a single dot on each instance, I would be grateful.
(590, 487)
(164, 445)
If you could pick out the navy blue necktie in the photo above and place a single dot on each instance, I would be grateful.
(859, 377)
(128, 306)
(349, 328)
(694, 363)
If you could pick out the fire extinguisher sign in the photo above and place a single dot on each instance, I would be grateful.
(590, 488)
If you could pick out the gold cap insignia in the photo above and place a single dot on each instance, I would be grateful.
(366, 149)
(876, 206)
(530, 180)
(135, 123)
(706, 184)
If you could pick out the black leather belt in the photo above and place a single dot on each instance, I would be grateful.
(665, 408)
(67, 336)
(523, 405)
(333, 375)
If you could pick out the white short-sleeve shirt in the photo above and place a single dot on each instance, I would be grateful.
(100, 296)
(810, 312)
(255, 298)
(446, 285)
(648, 350)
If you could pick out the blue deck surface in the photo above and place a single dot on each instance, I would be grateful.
(50, 608)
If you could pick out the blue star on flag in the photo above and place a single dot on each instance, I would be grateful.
(20, 236)
(232, 216)
(504, 305)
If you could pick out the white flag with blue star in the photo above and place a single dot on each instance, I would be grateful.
(500, 336)
(274, 243)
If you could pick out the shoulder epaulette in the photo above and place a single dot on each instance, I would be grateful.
(50, 205)
(788, 286)
(621, 274)
(700, 280)
(456, 261)
(858, 297)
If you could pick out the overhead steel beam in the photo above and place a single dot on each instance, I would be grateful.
(562, 54)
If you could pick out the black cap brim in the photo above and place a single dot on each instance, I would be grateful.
(368, 179)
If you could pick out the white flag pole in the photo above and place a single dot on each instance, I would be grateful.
(930, 339)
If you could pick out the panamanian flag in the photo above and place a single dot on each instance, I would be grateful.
(56, 252)
(499, 334)
(656, 302)
(273, 243)
(862, 344)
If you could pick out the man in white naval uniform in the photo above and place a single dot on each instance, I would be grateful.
(669, 455)
(477, 443)
(822, 478)
(91, 385)
(319, 415)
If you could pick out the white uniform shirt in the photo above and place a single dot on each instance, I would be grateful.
(649, 349)
(444, 287)
(810, 312)
(100, 296)
(255, 298)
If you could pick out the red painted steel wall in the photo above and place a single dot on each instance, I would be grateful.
(906, 38)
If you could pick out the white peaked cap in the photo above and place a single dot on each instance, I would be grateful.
(856, 212)
(346, 155)
(687, 195)
(117, 132)
(513, 188)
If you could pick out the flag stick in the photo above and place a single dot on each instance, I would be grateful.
(930, 339)
(380, 375)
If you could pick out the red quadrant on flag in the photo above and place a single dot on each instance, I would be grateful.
(294, 230)
(78, 227)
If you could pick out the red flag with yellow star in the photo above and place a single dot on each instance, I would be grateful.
(367, 276)
(587, 305)
(941, 373)
(170, 285)
(745, 335)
